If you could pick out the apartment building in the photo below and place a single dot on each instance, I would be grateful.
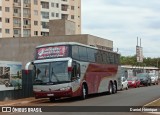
(25, 18)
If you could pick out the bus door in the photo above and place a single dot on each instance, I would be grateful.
(75, 75)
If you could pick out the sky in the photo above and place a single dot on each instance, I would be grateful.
(122, 21)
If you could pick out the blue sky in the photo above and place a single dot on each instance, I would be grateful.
(122, 21)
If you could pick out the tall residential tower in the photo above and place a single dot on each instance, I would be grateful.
(25, 18)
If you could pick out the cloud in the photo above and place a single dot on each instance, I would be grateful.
(122, 21)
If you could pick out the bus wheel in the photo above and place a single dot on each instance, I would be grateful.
(110, 88)
(114, 88)
(52, 99)
(84, 92)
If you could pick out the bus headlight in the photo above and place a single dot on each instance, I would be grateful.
(65, 88)
(37, 90)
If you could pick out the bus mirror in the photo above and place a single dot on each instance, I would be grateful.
(27, 67)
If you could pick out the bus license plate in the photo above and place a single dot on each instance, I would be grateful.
(50, 94)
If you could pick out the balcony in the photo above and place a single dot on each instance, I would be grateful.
(17, 4)
(18, 25)
(17, 35)
(26, 15)
(25, 5)
(17, 15)
(26, 35)
(27, 27)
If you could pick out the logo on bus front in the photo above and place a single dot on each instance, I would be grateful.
(51, 52)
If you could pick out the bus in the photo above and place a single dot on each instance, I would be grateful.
(70, 69)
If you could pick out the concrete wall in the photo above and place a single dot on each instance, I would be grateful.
(22, 49)
(61, 27)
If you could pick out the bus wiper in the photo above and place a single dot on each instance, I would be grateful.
(54, 75)
(38, 81)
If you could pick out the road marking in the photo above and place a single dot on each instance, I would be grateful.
(151, 102)
(155, 113)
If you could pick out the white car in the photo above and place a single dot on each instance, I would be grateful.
(124, 83)
(154, 78)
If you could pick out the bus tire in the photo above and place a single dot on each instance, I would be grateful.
(110, 88)
(84, 92)
(114, 88)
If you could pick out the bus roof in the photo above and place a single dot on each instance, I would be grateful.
(64, 43)
(72, 43)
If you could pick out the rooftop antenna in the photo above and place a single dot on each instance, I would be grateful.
(137, 41)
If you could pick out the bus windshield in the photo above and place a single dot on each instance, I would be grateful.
(53, 72)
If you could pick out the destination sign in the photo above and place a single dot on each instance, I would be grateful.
(52, 52)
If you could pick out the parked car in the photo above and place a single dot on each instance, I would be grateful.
(145, 79)
(133, 82)
(124, 83)
(154, 78)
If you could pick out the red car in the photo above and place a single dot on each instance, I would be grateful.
(133, 82)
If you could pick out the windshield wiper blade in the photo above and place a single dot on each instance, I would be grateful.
(55, 75)
(38, 81)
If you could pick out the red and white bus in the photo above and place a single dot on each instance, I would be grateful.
(70, 69)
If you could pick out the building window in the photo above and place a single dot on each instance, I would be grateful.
(0, 19)
(52, 4)
(45, 5)
(72, 16)
(35, 32)
(0, 8)
(45, 15)
(45, 33)
(15, 1)
(52, 14)
(26, 22)
(26, 33)
(15, 10)
(7, 20)
(57, 5)
(57, 15)
(15, 31)
(26, 1)
(35, 2)
(36, 12)
(7, 9)
(35, 23)
(44, 25)
(7, 31)
(72, 7)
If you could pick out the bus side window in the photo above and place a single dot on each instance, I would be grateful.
(75, 70)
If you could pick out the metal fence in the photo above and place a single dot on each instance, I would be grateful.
(26, 91)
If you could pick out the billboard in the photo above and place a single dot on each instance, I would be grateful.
(10, 75)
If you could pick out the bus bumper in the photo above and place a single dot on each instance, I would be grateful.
(56, 94)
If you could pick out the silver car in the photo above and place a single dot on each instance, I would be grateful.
(154, 78)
